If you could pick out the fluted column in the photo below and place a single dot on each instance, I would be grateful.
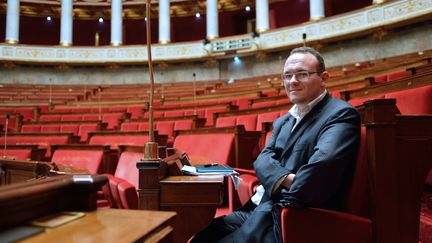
(66, 23)
(164, 22)
(12, 21)
(262, 15)
(116, 22)
(316, 8)
(212, 19)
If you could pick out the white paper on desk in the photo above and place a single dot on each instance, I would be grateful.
(191, 170)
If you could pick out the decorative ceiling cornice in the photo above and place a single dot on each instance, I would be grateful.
(132, 9)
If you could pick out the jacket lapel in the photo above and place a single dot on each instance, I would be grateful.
(304, 123)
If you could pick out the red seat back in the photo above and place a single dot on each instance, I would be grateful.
(413, 101)
(266, 117)
(227, 121)
(207, 147)
(360, 101)
(358, 198)
(248, 121)
(126, 167)
(86, 159)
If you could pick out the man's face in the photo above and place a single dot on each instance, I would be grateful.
(307, 88)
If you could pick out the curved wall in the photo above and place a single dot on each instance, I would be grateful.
(400, 41)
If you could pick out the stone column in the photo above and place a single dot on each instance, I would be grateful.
(66, 23)
(262, 15)
(12, 21)
(164, 22)
(116, 22)
(316, 8)
(212, 19)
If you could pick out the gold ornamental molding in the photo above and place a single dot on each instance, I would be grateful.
(374, 20)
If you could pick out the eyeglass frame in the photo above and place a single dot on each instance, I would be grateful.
(284, 78)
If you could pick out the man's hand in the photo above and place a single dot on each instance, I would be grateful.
(287, 182)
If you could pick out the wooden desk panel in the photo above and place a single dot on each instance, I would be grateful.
(112, 225)
(194, 199)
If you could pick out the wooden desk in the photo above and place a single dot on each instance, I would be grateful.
(113, 225)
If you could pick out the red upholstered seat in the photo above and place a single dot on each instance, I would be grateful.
(84, 129)
(115, 140)
(91, 117)
(336, 94)
(144, 126)
(74, 128)
(50, 128)
(71, 117)
(248, 121)
(263, 104)
(128, 195)
(282, 101)
(11, 124)
(50, 118)
(199, 112)
(112, 120)
(18, 154)
(209, 114)
(126, 167)
(165, 127)
(27, 128)
(309, 225)
(227, 121)
(136, 111)
(413, 101)
(174, 113)
(120, 193)
(397, 75)
(183, 125)
(156, 114)
(207, 147)
(357, 102)
(243, 103)
(381, 79)
(320, 225)
(86, 159)
(266, 117)
(129, 126)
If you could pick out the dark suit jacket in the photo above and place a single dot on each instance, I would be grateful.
(321, 150)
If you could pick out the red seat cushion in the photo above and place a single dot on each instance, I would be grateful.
(128, 195)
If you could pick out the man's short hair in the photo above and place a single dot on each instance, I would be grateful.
(315, 53)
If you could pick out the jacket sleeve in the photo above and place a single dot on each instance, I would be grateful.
(268, 161)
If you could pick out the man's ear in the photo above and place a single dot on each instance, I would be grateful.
(324, 76)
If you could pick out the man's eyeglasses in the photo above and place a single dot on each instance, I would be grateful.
(299, 76)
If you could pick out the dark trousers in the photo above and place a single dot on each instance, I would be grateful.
(248, 224)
